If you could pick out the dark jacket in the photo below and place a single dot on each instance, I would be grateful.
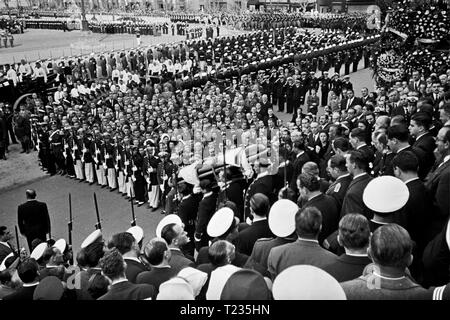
(424, 147)
(338, 189)
(129, 291)
(247, 237)
(206, 209)
(33, 219)
(179, 261)
(133, 269)
(353, 202)
(346, 268)
(330, 214)
(156, 276)
(22, 294)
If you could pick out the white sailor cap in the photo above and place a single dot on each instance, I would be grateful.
(164, 135)
(306, 282)
(3, 265)
(61, 245)
(385, 194)
(169, 219)
(97, 234)
(220, 222)
(38, 252)
(282, 217)
(137, 232)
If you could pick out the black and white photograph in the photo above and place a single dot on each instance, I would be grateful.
(224, 155)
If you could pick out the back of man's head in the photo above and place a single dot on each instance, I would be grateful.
(92, 254)
(31, 194)
(168, 233)
(219, 252)
(311, 168)
(260, 204)
(112, 264)
(122, 241)
(310, 182)
(354, 231)
(358, 133)
(399, 132)
(28, 270)
(391, 246)
(155, 250)
(308, 222)
(342, 144)
(406, 161)
(338, 161)
(359, 159)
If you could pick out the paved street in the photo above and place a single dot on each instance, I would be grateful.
(37, 44)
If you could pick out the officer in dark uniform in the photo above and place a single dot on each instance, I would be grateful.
(348, 60)
(325, 87)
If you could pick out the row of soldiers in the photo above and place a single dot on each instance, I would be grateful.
(151, 29)
(45, 24)
(112, 162)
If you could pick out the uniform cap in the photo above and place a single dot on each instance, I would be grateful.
(169, 219)
(60, 245)
(90, 239)
(49, 288)
(385, 194)
(306, 282)
(220, 222)
(137, 232)
(175, 289)
(282, 217)
(3, 265)
(38, 252)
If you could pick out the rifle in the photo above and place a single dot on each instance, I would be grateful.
(17, 242)
(133, 222)
(224, 144)
(98, 225)
(69, 226)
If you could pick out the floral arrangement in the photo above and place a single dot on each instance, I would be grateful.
(411, 39)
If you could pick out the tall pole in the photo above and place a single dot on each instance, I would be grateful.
(84, 24)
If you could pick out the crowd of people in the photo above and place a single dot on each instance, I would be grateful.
(351, 192)
(116, 27)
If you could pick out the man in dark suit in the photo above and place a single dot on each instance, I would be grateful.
(158, 255)
(263, 183)
(206, 209)
(259, 208)
(415, 82)
(176, 238)
(338, 170)
(438, 182)
(28, 272)
(357, 166)
(414, 216)
(113, 267)
(310, 189)
(424, 143)
(353, 235)
(301, 157)
(358, 141)
(285, 171)
(129, 249)
(281, 223)
(187, 211)
(306, 250)
(33, 218)
(350, 101)
(5, 247)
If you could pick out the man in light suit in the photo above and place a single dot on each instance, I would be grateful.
(33, 219)
(306, 250)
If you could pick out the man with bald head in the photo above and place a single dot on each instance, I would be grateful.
(33, 219)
